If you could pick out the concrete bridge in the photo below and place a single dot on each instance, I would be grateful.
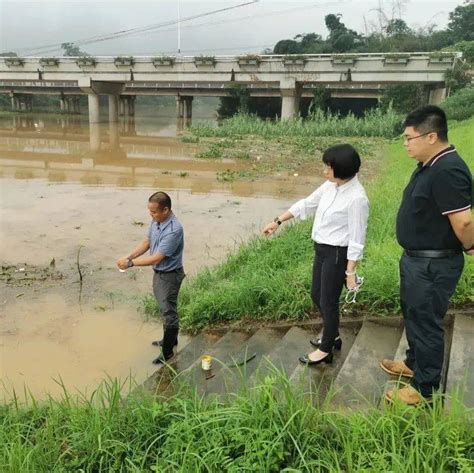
(289, 77)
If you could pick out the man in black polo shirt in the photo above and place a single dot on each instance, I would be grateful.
(434, 226)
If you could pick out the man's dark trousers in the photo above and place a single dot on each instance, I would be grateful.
(426, 285)
(166, 287)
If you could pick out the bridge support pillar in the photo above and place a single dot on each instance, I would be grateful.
(77, 105)
(188, 107)
(29, 103)
(13, 102)
(127, 106)
(290, 99)
(62, 103)
(94, 121)
(131, 105)
(114, 121)
(437, 96)
(180, 106)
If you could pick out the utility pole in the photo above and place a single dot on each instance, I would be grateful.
(179, 28)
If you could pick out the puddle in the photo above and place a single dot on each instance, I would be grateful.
(57, 198)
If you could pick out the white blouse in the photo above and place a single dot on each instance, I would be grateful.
(341, 215)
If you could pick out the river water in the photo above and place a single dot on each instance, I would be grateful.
(65, 210)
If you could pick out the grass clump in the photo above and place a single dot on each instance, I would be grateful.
(376, 122)
(272, 427)
(214, 152)
(269, 279)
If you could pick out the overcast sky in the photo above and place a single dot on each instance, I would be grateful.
(251, 28)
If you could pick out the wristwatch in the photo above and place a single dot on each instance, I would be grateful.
(277, 220)
(130, 263)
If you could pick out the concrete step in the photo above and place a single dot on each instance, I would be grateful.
(316, 381)
(400, 354)
(223, 352)
(232, 378)
(360, 381)
(460, 373)
(392, 381)
(186, 356)
(284, 357)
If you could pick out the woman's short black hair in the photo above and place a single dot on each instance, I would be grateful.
(343, 159)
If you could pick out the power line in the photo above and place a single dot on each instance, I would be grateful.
(120, 34)
(217, 49)
(252, 17)
(147, 30)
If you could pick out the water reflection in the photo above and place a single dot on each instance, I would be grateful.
(58, 149)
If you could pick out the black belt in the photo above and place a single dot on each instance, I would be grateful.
(432, 253)
(158, 271)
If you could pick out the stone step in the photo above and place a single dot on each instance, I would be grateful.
(316, 381)
(460, 373)
(392, 381)
(222, 352)
(232, 378)
(186, 356)
(284, 357)
(360, 382)
(400, 354)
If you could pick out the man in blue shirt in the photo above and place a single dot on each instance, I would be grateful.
(165, 240)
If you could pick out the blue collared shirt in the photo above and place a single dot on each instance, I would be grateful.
(167, 238)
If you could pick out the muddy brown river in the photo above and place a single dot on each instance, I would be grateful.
(62, 205)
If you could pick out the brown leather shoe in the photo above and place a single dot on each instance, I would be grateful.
(408, 395)
(396, 368)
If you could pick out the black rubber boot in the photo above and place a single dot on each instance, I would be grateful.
(159, 343)
(169, 340)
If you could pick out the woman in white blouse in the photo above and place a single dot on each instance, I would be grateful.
(341, 211)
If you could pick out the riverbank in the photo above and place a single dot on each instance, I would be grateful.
(269, 279)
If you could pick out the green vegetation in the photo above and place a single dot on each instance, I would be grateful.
(375, 123)
(264, 156)
(460, 106)
(272, 427)
(269, 279)
(229, 175)
(124, 61)
(391, 35)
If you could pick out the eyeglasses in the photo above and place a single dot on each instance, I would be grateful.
(415, 137)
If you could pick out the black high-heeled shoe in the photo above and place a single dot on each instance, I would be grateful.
(305, 359)
(316, 342)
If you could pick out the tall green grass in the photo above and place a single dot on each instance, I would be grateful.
(269, 428)
(270, 278)
(375, 123)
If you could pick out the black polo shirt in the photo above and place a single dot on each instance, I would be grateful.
(440, 187)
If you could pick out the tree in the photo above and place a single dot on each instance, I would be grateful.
(287, 46)
(70, 49)
(340, 37)
(237, 102)
(309, 40)
(321, 99)
(397, 27)
(404, 97)
(461, 22)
